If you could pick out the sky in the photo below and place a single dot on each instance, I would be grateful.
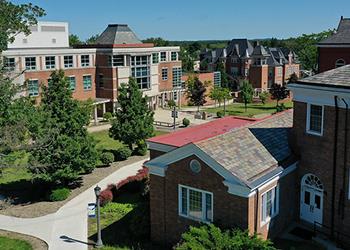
(198, 19)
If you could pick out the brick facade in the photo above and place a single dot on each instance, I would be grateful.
(327, 57)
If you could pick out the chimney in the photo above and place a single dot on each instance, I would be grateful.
(256, 43)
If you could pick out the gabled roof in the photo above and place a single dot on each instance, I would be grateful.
(342, 36)
(118, 34)
(339, 77)
(260, 51)
(239, 46)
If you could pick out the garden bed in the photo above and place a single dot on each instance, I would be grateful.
(16, 241)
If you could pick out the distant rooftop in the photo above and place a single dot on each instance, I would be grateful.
(118, 34)
(339, 77)
(342, 35)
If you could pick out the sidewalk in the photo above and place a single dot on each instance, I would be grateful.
(67, 228)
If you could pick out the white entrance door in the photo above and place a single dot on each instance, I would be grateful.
(311, 202)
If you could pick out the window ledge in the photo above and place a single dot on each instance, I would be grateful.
(194, 219)
(310, 132)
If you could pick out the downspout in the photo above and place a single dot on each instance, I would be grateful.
(345, 158)
(334, 163)
(256, 212)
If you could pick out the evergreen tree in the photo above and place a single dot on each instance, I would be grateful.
(196, 91)
(278, 92)
(247, 92)
(63, 149)
(74, 40)
(133, 120)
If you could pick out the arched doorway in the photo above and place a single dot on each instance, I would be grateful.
(311, 199)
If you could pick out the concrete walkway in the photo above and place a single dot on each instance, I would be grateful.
(67, 228)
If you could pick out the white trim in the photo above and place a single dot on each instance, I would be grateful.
(308, 113)
(159, 171)
(159, 147)
(276, 195)
(238, 190)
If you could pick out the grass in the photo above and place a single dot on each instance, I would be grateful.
(105, 142)
(14, 244)
(253, 109)
(159, 132)
(18, 170)
(296, 245)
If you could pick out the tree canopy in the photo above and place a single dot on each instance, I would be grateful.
(247, 92)
(74, 40)
(278, 92)
(196, 91)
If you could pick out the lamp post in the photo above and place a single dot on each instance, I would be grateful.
(99, 243)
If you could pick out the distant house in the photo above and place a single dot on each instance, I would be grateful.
(334, 51)
(259, 175)
(260, 65)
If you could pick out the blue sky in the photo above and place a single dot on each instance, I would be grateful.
(198, 19)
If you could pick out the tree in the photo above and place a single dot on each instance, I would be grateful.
(264, 96)
(187, 60)
(64, 149)
(74, 40)
(196, 91)
(133, 120)
(247, 92)
(219, 94)
(224, 76)
(157, 41)
(293, 78)
(278, 92)
(212, 237)
(92, 39)
(15, 19)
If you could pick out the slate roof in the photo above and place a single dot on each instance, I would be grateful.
(342, 36)
(239, 47)
(118, 34)
(339, 78)
(253, 151)
(260, 51)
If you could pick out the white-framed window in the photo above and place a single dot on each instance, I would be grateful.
(314, 119)
(116, 60)
(9, 63)
(72, 83)
(155, 58)
(68, 61)
(173, 56)
(85, 60)
(217, 78)
(177, 73)
(175, 96)
(279, 71)
(50, 62)
(269, 205)
(33, 87)
(140, 70)
(164, 74)
(339, 63)
(30, 63)
(195, 204)
(87, 82)
(163, 56)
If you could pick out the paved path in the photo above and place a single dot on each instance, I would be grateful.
(67, 228)
(99, 128)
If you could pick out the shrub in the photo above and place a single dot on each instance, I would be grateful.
(106, 158)
(122, 153)
(141, 148)
(134, 183)
(171, 103)
(107, 116)
(185, 122)
(220, 114)
(212, 237)
(264, 96)
(280, 108)
(106, 196)
(59, 194)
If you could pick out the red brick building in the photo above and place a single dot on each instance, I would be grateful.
(334, 51)
(260, 175)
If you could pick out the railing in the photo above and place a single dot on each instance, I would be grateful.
(166, 124)
(338, 237)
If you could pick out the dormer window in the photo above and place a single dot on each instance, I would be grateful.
(314, 119)
(339, 63)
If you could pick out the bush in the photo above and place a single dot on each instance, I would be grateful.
(59, 194)
(122, 153)
(264, 96)
(107, 116)
(134, 183)
(212, 237)
(185, 122)
(220, 114)
(106, 196)
(280, 108)
(141, 148)
(171, 103)
(107, 158)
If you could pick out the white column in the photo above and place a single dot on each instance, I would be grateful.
(104, 108)
(95, 114)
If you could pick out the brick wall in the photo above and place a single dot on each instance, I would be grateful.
(328, 56)
(258, 76)
(167, 85)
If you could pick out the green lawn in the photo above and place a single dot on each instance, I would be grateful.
(14, 244)
(18, 171)
(104, 141)
(253, 109)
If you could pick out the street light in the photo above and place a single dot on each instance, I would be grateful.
(99, 243)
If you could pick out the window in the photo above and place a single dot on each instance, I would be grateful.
(315, 119)
(162, 56)
(116, 60)
(155, 58)
(177, 77)
(195, 204)
(269, 205)
(85, 60)
(72, 82)
(50, 62)
(30, 63)
(33, 87)
(140, 70)
(175, 96)
(234, 60)
(68, 61)
(100, 81)
(339, 63)
(279, 71)
(164, 74)
(9, 63)
(87, 82)
(217, 79)
(173, 56)
(139, 60)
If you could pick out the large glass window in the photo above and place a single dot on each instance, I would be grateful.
(85, 60)
(87, 82)
(68, 61)
(269, 204)
(33, 87)
(164, 74)
(195, 203)
(155, 58)
(72, 82)
(173, 56)
(217, 79)
(30, 63)
(140, 70)
(9, 63)
(116, 60)
(163, 56)
(315, 119)
(177, 73)
(50, 62)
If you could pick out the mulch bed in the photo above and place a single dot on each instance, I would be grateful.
(36, 243)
